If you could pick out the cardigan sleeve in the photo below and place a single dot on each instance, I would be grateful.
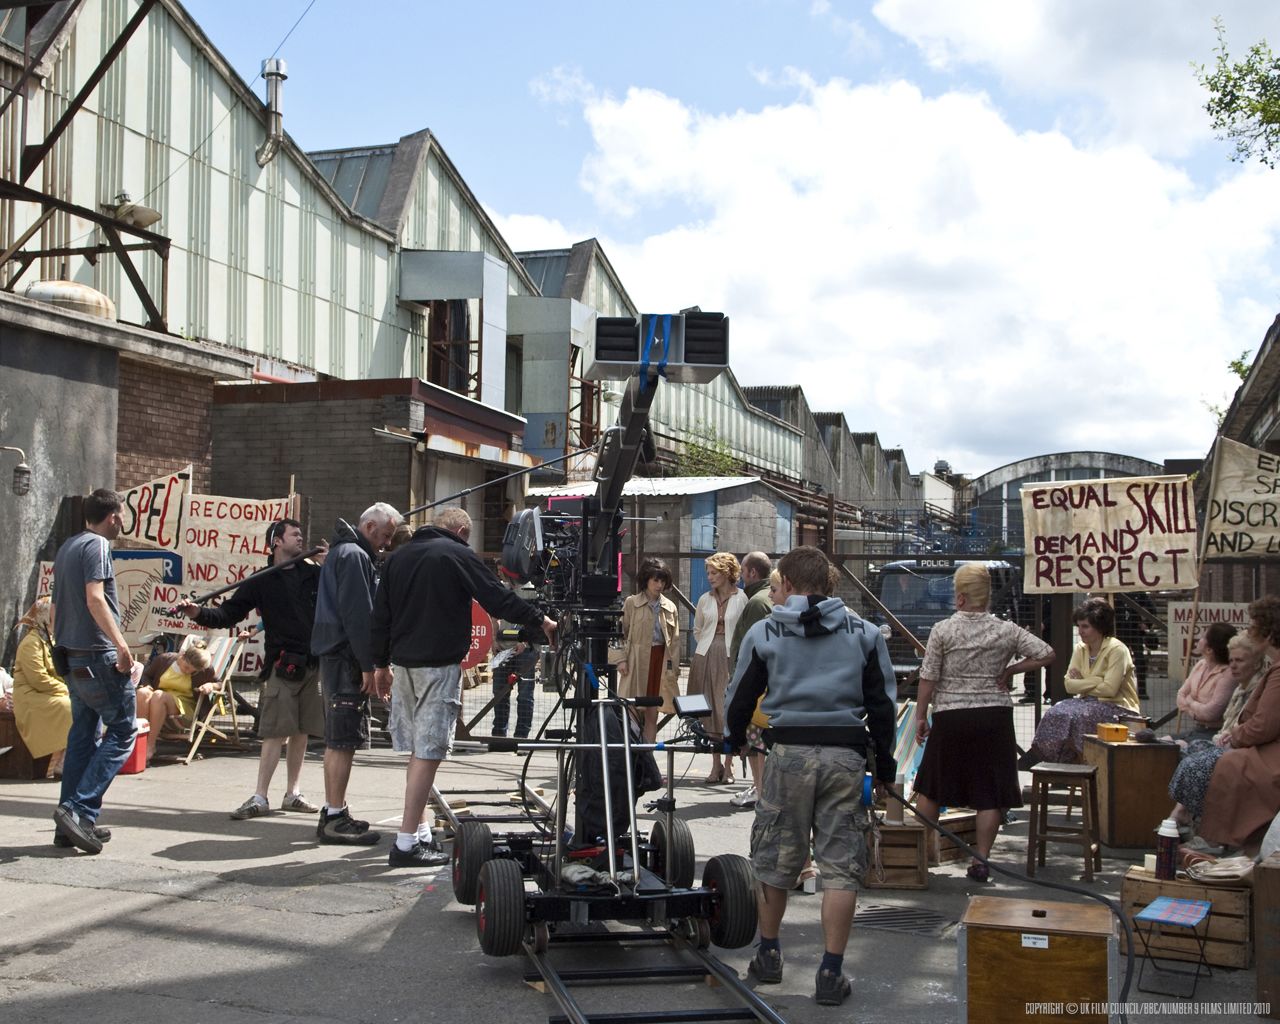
(1106, 677)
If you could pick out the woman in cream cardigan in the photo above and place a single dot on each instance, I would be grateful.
(650, 665)
(713, 620)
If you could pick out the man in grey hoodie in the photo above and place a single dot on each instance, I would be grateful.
(829, 693)
(341, 640)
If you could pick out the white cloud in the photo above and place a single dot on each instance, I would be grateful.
(1124, 67)
(966, 290)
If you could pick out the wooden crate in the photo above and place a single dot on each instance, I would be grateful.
(963, 823)
(1230, 941)
(1266, 931)
(1059, 953)
(902, 853)
(1133, 789)
(18, 762)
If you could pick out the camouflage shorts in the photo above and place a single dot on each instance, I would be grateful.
(424, 707)
(811, 792)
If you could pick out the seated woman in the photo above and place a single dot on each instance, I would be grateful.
(1244, 789)
(1191, 777)
(170, 687)
(1203, 697)
(41, 702)
(1101, 680)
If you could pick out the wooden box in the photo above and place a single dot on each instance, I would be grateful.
(1133, 789)
(1020, 956)
(1229, 943)
(903, 855)
(963, 823)
(1266, 931)
(18, 762)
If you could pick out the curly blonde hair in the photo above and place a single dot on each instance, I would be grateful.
(726, 563)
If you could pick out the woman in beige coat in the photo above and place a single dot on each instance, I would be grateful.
(650, 661)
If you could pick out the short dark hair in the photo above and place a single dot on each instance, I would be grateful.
(1100, 615)
(806, 569)
(1264, 620)
(1216, 638)
(100, 504)
(276, 530)
(653, 569)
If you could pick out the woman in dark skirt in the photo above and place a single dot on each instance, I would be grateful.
(970, 755)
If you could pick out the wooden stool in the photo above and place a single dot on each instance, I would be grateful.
(1039, 832)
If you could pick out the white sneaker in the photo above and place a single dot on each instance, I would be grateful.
(747, 798)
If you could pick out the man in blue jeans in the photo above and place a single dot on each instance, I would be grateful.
(85, 617)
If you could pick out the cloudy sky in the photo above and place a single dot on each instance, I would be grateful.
(983, 229)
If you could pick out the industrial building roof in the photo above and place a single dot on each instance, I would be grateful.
(650, 486)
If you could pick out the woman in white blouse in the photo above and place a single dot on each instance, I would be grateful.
(713, 620)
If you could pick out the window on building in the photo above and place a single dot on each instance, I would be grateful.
(453, 356)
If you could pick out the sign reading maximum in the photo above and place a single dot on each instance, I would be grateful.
(1120, 534)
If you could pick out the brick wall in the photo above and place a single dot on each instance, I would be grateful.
(328, 447)
(164, 423)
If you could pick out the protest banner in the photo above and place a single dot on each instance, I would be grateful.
(1183, 634)
(136, 580)
(152, 512)
(224, 539)
(1244, 510)
(44, 583)
(1114, 535)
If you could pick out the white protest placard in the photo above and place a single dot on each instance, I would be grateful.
(136, 580)
(44, 583)
(1244, 511)
(225, 539)
(1115, 535)
(152, 511)
(1183, 635)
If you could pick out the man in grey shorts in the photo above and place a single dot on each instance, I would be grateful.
(828, 691)
(290, 709)
(422, 626)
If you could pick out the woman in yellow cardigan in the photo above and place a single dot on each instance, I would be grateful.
(1101, 681)
(41, 702)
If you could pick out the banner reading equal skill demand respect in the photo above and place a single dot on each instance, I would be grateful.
(1120, 534)
(1244, 510)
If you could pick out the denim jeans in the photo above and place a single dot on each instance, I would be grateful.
(99, 696)
(524, 704)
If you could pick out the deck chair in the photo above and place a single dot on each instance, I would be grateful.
(224, 652)
(907, 751)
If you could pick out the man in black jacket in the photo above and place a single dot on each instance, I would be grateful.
(422, 626)
(290, 708)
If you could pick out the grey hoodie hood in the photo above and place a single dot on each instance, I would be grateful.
(812, 615)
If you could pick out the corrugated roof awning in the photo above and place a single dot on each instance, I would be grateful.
(647, 486)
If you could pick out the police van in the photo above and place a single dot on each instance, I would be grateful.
(921, 593)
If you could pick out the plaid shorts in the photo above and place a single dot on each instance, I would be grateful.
(811, 792)
(425, 703)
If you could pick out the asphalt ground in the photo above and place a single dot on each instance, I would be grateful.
(190, 916)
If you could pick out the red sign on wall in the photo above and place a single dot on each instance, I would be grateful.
(481, 637)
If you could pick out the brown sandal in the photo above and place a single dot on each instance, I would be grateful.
(716, 778)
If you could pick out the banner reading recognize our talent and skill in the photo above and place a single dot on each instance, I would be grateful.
(1119, 534)
(1244, 510)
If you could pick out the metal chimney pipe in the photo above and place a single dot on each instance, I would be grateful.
(274, 71)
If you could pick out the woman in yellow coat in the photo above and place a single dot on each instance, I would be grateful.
(650, 660)
(41, 702)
